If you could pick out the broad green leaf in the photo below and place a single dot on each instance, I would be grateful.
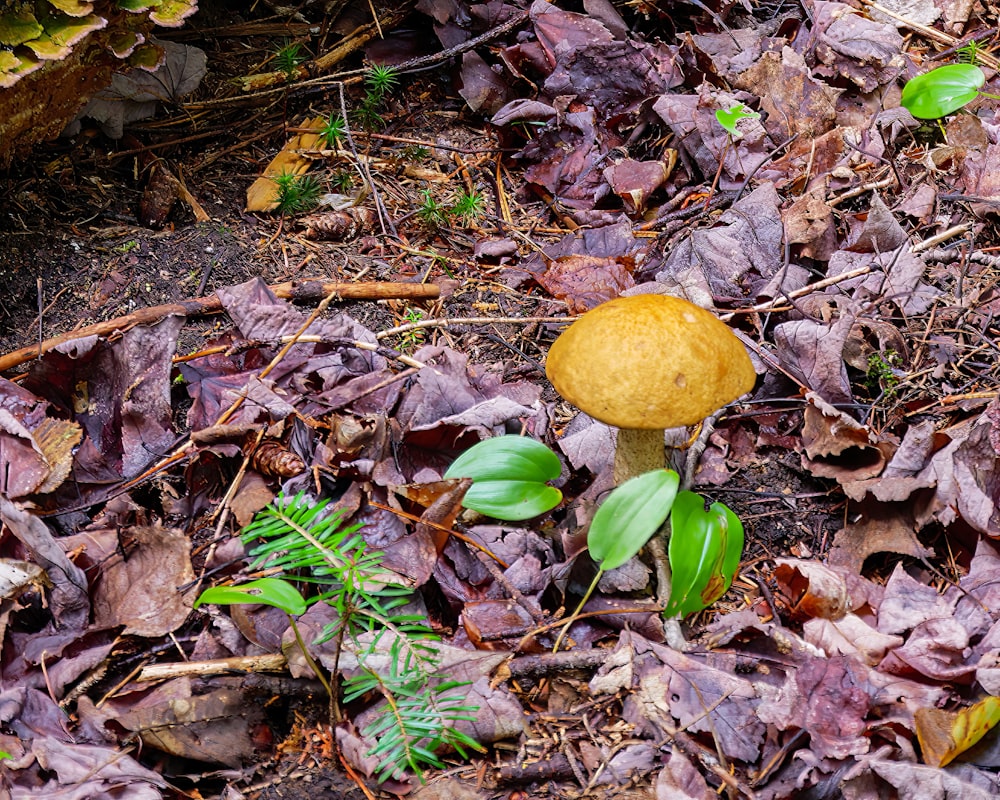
(630, 516)
(729, 119)
(942, 91)
(704, 552)
(507, 458)
(264, 591)
(511, 500)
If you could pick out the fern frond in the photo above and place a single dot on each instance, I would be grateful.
(415, 724)
(396, 651)
(298, 536)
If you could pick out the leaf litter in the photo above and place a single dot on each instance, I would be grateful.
(858, 664)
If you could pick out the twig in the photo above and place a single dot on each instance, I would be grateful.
(267, 662)
(339, 341)
(933, 33)
(298, 291)
(860, 190)
(385, 221)
(449, 321)
(934, 241)
(770, 305)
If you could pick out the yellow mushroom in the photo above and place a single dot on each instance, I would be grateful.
(646, 363)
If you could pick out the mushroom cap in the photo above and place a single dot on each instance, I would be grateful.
(649, 361)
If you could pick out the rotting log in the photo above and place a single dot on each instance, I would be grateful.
(297, 291)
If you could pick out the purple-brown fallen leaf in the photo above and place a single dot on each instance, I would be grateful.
(587, 281)
(61, 767)
(830, 698)
(141, 591)
(908, 602)
(212, 727)
(878, 528)
(937, 649)
(635, 181)
(846, 43)
(849, 636)
(681, 780)
(837, 446)
(813, 350)
(495, 624)
(70, 603)
(737, 256)
(793, 100)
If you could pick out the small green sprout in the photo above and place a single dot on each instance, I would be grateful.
(730, 119)
(431, 212)
(367, 114)
(296, 193)
(883, 373)
(334, 131)
(943, 91)
(969, 52)
(288, 56)
(380, 80)
(414, 152)
(342, 180)
(469, 206)
(412, 339)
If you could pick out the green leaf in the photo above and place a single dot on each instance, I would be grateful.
(705, 549)
(942, 91)
(511, 500)
(508, 458)
(731, 118)
(630, 516)
(264, 591)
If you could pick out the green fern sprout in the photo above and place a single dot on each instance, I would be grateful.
(287, 57)
(367, 114)
(410, 340)
(333, 132)
(969, 52)
(414, 152)
(468, 207)
(342, 180)
(297, 193)
(380, 80)
(396, 652)
(431, 212)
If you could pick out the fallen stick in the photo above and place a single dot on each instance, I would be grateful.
(298, 291)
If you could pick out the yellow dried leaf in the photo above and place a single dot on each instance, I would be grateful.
(945, 735)
(263, 193)
(56, 438)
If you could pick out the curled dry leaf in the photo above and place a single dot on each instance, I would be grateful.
(811, 589)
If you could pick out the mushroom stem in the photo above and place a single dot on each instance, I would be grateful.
(638, 451)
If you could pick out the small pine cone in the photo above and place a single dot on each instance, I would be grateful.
(275, 460)
(338, 226)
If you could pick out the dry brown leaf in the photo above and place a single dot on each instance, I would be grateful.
(811, 589)
(263, 192)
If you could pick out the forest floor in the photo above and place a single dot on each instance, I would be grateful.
(484, 194)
